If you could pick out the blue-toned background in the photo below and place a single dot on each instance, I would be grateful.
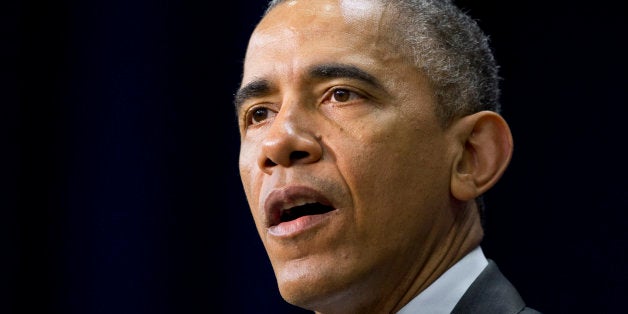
(119, 190)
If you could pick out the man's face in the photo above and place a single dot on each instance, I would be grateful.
(344, 164)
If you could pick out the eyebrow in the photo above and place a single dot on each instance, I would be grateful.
(335, 70)
(256, 88)
(261, 87)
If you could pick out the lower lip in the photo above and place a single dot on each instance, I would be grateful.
(299, 225)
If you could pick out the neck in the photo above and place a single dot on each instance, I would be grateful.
(465, 234)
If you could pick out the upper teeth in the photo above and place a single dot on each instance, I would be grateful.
(295, 204)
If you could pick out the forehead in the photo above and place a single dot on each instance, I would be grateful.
(300, 30)
(344, 10)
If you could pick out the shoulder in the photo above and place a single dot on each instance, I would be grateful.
(492, 293)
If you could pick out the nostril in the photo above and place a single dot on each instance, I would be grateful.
(269, 163)
(296, 155)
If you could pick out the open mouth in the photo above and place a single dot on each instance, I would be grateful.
(303, 210)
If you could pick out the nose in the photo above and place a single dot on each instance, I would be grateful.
(290, 140)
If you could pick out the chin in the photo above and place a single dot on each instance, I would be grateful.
(299, 294)
(311, 295)
(321, 285)
(308, 285)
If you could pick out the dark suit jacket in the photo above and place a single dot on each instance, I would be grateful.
(492, 293)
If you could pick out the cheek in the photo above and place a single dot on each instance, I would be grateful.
(247, 167)
(396, 173)
(252, 190)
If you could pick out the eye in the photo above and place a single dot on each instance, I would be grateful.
(258, 115)
(343, 95)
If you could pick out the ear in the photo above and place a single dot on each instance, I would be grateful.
(484, 149)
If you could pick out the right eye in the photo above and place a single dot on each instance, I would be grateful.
(258, 115)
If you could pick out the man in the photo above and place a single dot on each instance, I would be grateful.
(369, 132)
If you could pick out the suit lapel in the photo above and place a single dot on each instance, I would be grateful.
(490, 293)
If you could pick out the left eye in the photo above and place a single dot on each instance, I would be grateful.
(344, 95)
(341, 95)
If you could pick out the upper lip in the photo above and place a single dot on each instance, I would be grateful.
(279, 201)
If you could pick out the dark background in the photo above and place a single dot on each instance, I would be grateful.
(119, 185)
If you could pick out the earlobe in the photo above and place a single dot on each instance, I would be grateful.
(485, 149)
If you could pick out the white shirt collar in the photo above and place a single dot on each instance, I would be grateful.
(444, 293)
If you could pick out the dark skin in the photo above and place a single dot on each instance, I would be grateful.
(340, 132)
